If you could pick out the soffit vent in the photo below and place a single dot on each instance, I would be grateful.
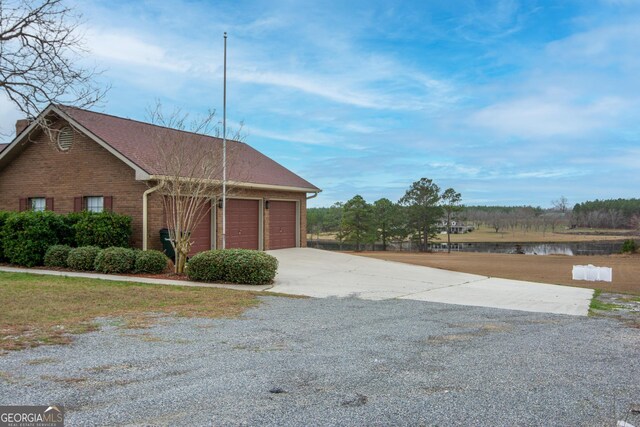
(65, 138)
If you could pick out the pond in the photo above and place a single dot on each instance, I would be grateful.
(565, 248)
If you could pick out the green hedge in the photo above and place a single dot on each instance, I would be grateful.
(206, 266)
(115, 260)
(3, 218)
(150, 262)
(83, 258)
(241, 266)
(70, 221)
(27, 235)
(56, 256)
(105, 229)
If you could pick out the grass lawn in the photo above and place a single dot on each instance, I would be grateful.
(37, 310)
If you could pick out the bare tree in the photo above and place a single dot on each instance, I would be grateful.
(190, 165)
(561, 204)
(39, 50)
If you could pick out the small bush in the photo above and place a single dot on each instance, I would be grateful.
(249, 267)
(233, 265)
(115, 260)
(83, 258)
(629, 246)
(56, 256)
(150, 262)
(26, 236)
(207, 266)
(105, 229)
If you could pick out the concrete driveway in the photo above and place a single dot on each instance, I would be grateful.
(318, 273)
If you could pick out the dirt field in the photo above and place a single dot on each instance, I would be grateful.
(547, 269)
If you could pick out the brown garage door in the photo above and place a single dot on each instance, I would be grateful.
(201, 234)
(242, 224)
(282, 224)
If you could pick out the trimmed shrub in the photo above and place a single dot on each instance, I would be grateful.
(629, 246)
(27, 235)
(105, 229)
(206, 266)
(83, 258)
(150, 262)
(70, 221)
(249, 267)
(3, 218)
(115, 260)
(56, 256)
(241, 266)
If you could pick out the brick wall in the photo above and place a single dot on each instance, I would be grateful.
(87, 169)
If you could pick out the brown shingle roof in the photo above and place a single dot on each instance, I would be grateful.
(139, 142)
(3, 146)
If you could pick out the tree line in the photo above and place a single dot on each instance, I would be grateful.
(611, 213)
(419, 215)
(425, 210)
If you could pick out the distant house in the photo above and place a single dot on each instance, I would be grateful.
(102, 162)
(456, 227)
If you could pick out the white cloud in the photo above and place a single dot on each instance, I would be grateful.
(599, 47)
(130, 49)
(306, 137)
(548, 116)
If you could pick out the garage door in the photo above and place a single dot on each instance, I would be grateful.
(282, 224)
(201, 234)
(242, 224)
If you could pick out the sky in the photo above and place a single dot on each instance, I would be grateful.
(507, 102)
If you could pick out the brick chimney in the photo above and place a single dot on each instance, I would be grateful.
(21, 125)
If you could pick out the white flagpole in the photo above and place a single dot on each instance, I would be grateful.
(224, 148)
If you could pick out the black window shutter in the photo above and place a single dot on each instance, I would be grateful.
(49, 203)
(24, 202)
(108, 203)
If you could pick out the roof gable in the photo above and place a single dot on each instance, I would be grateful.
(137, 144)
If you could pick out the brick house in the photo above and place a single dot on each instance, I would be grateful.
(94, 161)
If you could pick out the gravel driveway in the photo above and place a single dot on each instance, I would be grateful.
(340, 362)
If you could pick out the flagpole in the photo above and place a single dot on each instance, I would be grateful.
(224, 148)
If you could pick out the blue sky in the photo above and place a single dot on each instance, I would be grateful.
(508, 102)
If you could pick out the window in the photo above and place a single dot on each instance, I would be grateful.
(38, 204)
(94, 203)
(65, 138)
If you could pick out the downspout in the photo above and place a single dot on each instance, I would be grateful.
(311, 197)
(145, 221)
